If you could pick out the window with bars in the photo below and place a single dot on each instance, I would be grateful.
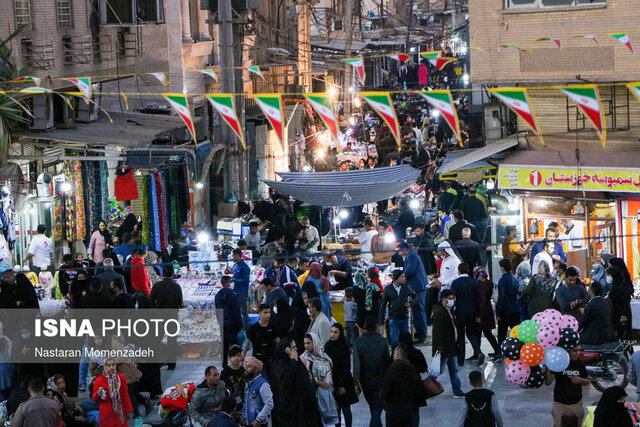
(67, 51)
(64, 13)
(126, 12)
(22, 10)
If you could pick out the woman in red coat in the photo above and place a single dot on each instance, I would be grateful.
(110, 390)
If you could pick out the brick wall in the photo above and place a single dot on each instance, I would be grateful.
(490, 27)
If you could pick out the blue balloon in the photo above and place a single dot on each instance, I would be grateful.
(556, 359)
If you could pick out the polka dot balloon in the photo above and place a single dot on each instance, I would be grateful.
(518, 372)
(548, 336)
(538, 317)
(514, 332)
(511, 348)
(568, 338)
(552, 317)
(556, 359)
(568, 321)
(536, 377)
(528, 330)
(532, 354)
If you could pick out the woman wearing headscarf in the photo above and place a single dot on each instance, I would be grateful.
(611, 410)
(484, 292)
(282, 319)
(100, 239)
(539, 292)
(619, 262)
(6, 368)
(322, 286)
(294, 402)
(301, 320)
(523, 271)
(319, 365)
(620, 296)
(151, 259)
(599, 273)
(79, 288)
(367, 295)
(111, 392)
(344, 389)
(417, 360)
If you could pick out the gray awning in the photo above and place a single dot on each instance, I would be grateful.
(478, 155)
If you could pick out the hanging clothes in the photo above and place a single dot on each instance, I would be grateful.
(125, 184)
(153, 212)
(423, 75)
(146, 230)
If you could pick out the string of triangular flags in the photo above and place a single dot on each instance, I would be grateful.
(623, 38)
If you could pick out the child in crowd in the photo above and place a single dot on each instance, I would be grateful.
(480, 404)
(350, 316)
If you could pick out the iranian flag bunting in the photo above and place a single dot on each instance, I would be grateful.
(210, 73)
(402, 57)
(253, 69)
(623, 38)
(382, 104)
(226, 106)
(180, 104)
(588, 99)
(22, 79)
(272, 107)
(162, 78)
(443, 102)
(635, 89)
(322, 105)
(548, 39)
(358, 64)
(436, 59)
(84, 85)
(592, 38)
(518, 101)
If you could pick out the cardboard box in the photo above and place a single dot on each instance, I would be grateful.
(227, 210)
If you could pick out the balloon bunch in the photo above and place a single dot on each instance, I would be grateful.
(546, 338)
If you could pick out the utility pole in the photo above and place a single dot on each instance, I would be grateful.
(232, 184)
(348, 68)
(304, 45)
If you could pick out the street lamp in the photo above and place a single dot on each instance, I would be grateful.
(344, 214)
(357, 103)
(333, 92)
(491, 184)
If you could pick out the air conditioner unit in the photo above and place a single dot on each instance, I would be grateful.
(85, 113)
(42, 112)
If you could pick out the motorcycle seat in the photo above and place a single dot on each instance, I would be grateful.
(608, 346)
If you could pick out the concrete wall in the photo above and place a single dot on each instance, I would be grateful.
(490, 26)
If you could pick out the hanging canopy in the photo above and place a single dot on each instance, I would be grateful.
(348, 188)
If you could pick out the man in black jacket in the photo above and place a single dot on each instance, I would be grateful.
(596, 327)
(424, 245)
(400, 387)
(464, 289)
(107, 276)
(399, 297)
(468, 249)
(94, 298)
(370, 362)
(455, 232)
(444, 338)
(166, 293)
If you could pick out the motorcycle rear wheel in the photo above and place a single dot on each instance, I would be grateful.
(615, 373)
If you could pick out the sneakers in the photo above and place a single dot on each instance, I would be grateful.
(496, 357)
(458, 395)
(480, 359)
(471, 359)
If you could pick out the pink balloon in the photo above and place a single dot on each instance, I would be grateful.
(548, 336)
(538, 317)
(552, 311)
(553, 318)
(568, 321)
(518, 372)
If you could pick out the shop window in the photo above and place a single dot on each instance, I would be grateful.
(550, 5)
(22, 10)
(127, 12)
(64, 14)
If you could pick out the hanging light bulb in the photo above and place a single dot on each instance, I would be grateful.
(199, 185)
(333, 92)
(344, 213)
(336, 221)
(491, 184)
(357, 103)
(65, 186)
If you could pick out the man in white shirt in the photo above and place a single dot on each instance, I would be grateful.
(573, 235)
(312, 235)
(449, 266)
(364, 239)
(40, 250)
(544, 255)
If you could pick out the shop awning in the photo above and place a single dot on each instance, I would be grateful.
(475, 159)
(348, 188)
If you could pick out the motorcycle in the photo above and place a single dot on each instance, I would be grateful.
(608, 366)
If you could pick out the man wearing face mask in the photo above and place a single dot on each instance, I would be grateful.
(444, 339)
(596, 327)
(340, 268)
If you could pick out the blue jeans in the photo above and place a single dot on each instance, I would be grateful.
(89, 405)
(243, 300)
(82, 372)
(372, 394)
(326, 305)
(452, 364)
(419, 314)
(395, 327)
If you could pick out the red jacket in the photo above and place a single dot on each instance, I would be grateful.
(140, 276)
(108, 418)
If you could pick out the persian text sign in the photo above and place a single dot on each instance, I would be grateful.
(529, 178)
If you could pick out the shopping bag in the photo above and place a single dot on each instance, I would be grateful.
(435, 365)
(432, 387)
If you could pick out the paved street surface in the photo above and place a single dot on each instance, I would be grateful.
(519, 407)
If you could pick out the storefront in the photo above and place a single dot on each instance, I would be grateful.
(592, 204)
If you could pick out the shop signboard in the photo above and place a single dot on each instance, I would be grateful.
(591, 179)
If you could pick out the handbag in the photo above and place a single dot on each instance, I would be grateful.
(432, 387)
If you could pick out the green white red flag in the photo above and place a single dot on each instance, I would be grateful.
(635, 89)
(548, 39)
(443, 102)
(34, 90)
(588, 99)
(402, 57)
(514, 47)
(209, 72)
(382, 104)
(592, 38)
(358, 64)
(518, 101)
(226, 106)
(272, 107)
(24, 79)
(436, 59)
(162, 78)
(84, 85)
(623, 38)
(253, 69)
(180, 105)
(322, 105)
